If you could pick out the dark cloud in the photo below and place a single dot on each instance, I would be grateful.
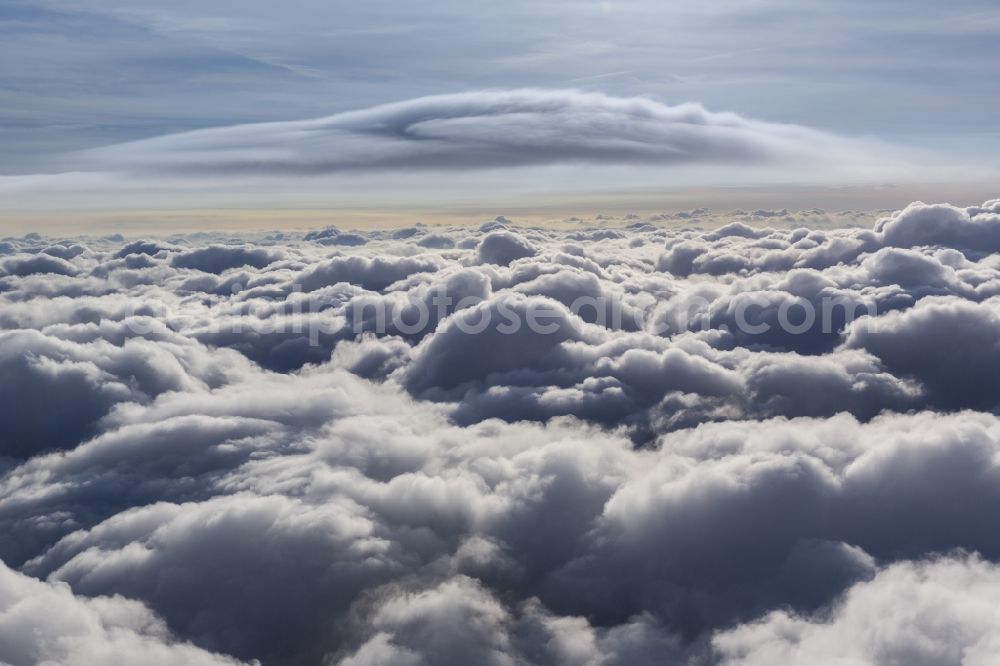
(376, 273)
(436, 241)
(143, 247)
(220, 258)
(21, 266)
(349, 239)
(950, 345)
(491, 338)
(503, 247)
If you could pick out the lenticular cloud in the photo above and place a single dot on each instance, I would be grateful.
(767, 440)
(485, 129)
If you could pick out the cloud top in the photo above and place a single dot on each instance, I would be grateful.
(289, 449)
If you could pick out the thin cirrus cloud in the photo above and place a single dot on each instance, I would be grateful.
(484, 129)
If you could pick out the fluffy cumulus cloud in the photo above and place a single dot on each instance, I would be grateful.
(697, 439)
(946, 603)
(44, 623)
(484, 129)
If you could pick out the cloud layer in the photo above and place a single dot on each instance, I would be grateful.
(479, 130)
(338, 447)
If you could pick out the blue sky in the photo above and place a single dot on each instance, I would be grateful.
(918, 79)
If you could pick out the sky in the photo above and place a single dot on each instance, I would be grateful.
(883, 95)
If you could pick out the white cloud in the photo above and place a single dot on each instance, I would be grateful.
(924, 614)
(478, 130)
(223, 432)
(44, 623)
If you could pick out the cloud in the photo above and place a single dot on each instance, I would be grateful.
(59, 385)
(44, 623)
(460, 622)
(487, 129)
(976, 229)
(937, 612)
(38, 263)
(220, 258)
(375, 273)
(466, 350)
(931, 342)
(503, 247)
(621, 443)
